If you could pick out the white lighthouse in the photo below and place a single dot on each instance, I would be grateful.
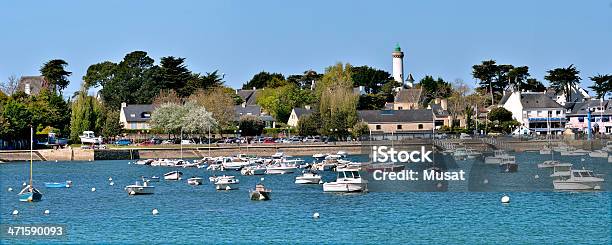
(398, 65)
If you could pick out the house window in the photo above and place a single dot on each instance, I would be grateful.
(420, 126)
(605, 119)
(146, 115)
(378, 127)
(400, 108)
(133, 125)
(132, 115)
(399, 126)
(581, 119)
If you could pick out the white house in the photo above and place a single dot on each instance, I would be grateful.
(135, 117)
(536, 111)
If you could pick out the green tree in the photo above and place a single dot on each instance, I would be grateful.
(360, 129)
(112, 127)
(337, 101)
(220, 102)
(305, 80)
(564, 80)
(372, 79)
(485, 72)
(500, 114)
(602, 85)
(309, 125)
(534, 85)
(371, 102)
(55, 73)
(250, 125)
(85, 112)
(433, 89)
(280, 101)
(518, 77)
(15, 121)
(263, 80)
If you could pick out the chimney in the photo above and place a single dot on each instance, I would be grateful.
(243, 104)
(312, 85)
(307, 107)
(444, 104)
(254, 88)
(123, 104)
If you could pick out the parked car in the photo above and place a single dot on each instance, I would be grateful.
(123, 142)
(465, 136)
(269, 140)
(167, 142)
(312, 139)
(187, 142)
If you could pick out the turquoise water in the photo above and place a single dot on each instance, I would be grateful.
(197, 215)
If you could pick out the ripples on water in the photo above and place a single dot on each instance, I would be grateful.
(202, 215)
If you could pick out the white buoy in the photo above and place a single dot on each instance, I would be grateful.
(47, 211)
(93, 189)
(10, 189)
(582, 159)
(55, 160)
(15, 212)
(110, 178)
(262, 178)
(505, 199)
(439, 185)
(316, 215)
(536, 176)
(23, 184)
(486, 181)
(154, 211)
(111, 183)
(89, 159)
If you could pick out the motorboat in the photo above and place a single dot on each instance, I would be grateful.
(319, 156)
(347, 181)
(460, 153)
(508, 164)
(234, 163)
(599, 154)
(167, 163)
(29, 194)
(152, 179)
(281, 168)
(325, 165)
(545, 151)
(226, 183)
(190, 165)
(278, 155)
(385, 167)
(215, 167)
(65, 184)
(253, 170)
(145, 162)
(194, 181)
(88, 137)
(173, 175)
(260, 193)
(472, 154)
(345, 165)
(308, 177)
(342, 154)
(138, 189)
(579, 180)
(561, 170)
(497, 157)
(574, 152)
(548, 164)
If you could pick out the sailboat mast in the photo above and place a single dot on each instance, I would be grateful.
(31, 152)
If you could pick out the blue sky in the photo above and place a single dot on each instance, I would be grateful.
(241, 38)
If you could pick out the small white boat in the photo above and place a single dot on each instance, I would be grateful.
(460, 154)
(545, 151)
(497, 157)
(88, 137)
(599, 154)
(173, 175)
(548, 164)
(260, 193)
(278, 155)
(138, 189)
(579, 180)
(308, 177)
(226, 183)
(145, 162)
(234, 163)
(194, 181)
(152, 179)
(319, 156)
(578, 152)
(281, 168)
(471, 154)
(343, 154)
(253, 170)
(347, 181)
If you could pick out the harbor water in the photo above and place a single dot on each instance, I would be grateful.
(202, 215)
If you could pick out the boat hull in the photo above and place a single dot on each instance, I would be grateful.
(576, 185)
(140, 190)
(343, 187)
(173, 176)
(195, 181)
(30, 196)
(307, 180)
(226, 186)
(280, 170)
(260, 195)
(57, 185)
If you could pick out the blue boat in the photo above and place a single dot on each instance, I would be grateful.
(65, 184)
(29, 194)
